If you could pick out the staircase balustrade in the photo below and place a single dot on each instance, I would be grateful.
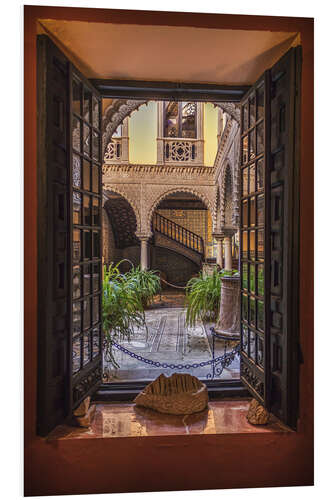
(178, 233)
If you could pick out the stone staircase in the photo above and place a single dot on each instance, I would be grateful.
(168, 234)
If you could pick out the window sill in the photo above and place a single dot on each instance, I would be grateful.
(117, 420)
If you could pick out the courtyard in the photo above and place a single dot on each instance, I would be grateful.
(168, 339)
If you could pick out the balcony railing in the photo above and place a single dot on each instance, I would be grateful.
(113, 150)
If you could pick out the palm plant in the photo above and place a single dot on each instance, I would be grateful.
(203, 294)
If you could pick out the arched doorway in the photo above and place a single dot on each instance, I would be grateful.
(181, 225)
(119, 227)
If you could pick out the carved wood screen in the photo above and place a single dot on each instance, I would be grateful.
(269, 238)
(69, 237)
(86, 236)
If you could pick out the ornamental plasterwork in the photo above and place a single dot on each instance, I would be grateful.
(157, 173)
(131, 193)
(114, 116)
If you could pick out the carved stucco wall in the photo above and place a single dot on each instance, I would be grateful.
(227, 177)
(144, 197)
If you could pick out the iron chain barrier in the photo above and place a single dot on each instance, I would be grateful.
(218, 364)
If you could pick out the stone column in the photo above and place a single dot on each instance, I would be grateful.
(228, 233)
(228, 323)
(144, 258)
(219, 251)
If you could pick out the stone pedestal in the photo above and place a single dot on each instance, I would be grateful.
(229, 319)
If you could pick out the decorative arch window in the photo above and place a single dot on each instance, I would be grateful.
(117, 151)
(180, 132)
(180, 119)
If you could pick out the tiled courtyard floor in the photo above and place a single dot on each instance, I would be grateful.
(168, 340)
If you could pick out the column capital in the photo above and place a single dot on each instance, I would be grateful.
(144, 236)
(218, 236)
(228, 232)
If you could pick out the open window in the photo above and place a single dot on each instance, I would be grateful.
(70, 230)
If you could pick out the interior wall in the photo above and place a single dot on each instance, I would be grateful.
(192, 462)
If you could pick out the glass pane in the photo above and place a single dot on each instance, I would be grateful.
(252, 311)
(86, 279)
(95, 145)
(245, 245)
(189, 119)
(260, 102)
(95, 308)
(244, 275)
(260, 249)
(252, 245)
(76, 282)
(77, 97)
(86, 140)
(77, 207)
(171, 125)
(87, 244)
(95, 212)
(260, 138)
(76, 318)
(245, 213)
(96, 244)
(76, 134)
(252, 110)
(76, 354)
(95, 110)
(96, 277)
(252, 278)
(76, 171)
(86, 210)
(245, 144)
(252, 179)
(260, 174)
(86, 348)
(95, 179)
(245, 338)
(244, 307)
(252, 148)
(86, 104)
(252, 212)
(76, 246)
(261, 315)
(252, 347)
(260, 210)
(96, 341)
(86, 175)
(86, 313)
(245, 175)
(260, 356)
(261, 280)
(245, 118)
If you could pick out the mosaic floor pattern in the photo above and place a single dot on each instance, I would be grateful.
(168, 340)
